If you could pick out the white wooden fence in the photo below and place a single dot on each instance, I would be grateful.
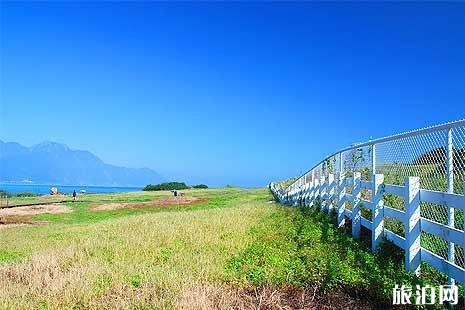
(323, 193)
(340, 190)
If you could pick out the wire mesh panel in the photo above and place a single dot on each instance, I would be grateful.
(439, 214)
(428, 157)
(434, 244)
(459, 260)
(458, 142)
(424, 153)
(358, 159)
(329, 166)
(435, 155)
(394, 225)
(394, 201)
(421, 155)
(365, 211)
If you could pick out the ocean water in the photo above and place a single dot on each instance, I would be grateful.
(45, 189)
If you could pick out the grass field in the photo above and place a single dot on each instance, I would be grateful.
(236, 250)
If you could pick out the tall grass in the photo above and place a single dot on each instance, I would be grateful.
(236, 251)
(137, 261)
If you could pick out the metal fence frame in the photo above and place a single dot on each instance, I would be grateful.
(327, 188)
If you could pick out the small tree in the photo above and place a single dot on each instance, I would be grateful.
(166, 186)
(201, 186)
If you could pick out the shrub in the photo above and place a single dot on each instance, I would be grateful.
(200, 186)
(166, 186)
(25, 194)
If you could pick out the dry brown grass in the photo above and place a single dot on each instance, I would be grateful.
(48, 275)
(221, 297)
(124, 296)
(4, 225)
(165, 260)
(134, 262)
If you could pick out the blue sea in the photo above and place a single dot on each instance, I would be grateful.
(68, 189)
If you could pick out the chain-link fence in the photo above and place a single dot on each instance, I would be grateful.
(436, 155)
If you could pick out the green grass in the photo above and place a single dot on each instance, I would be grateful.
(146, 257)
(81, 212)
(173, 257)
(9, 256)
(302, 247)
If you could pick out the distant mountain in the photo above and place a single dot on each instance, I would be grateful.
(55, 163)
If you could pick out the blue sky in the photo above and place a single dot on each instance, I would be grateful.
(226, 93)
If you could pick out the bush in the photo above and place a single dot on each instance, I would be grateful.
(166, 186)
(25, 194)
(200, 186)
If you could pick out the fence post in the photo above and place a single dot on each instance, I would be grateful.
(296, 195)
(341, 165)
(378, 211)
(304, 193)
(463, 193)
(292, 195)
(323, 186)
(330, 192)
(308, 201)
(356, 213)
(373, 160)
(412, 224)
(312, 193)
(322, 192)
(450, 189)
(288, 196)
(307, 192)
(307, 196)
(316, 193)
(341, 199)
(312, 189)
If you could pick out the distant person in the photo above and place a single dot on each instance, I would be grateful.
(74, 195)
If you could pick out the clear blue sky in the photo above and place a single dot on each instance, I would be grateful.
(227, 93)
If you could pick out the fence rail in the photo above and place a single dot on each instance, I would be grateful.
(408, 188)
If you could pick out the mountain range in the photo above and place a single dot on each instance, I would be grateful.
(55, 163)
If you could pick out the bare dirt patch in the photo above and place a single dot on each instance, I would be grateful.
(34, 210)
(14, 221)
(169, 201)
(20, 216)
(267, 298)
